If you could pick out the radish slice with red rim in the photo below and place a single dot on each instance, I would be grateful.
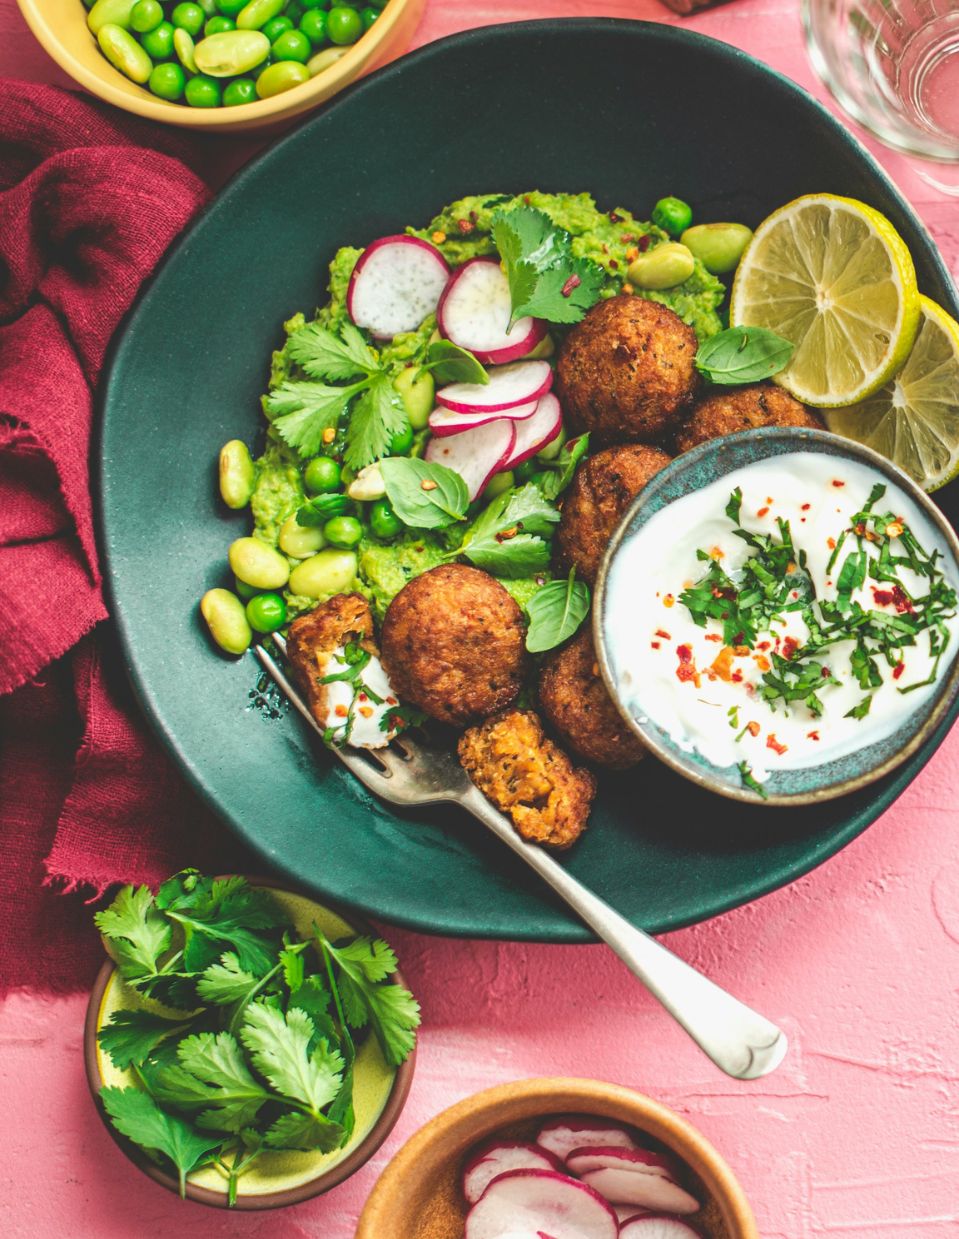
(495, 1159)
(474, 313)
(561, 1136)
(656, 1226)
(475, 454)
(517, 383)
(636, 1186)
(396, 283)
(610, 1157)
(533, 433)
(626, 1213)
(540, 1200)
(446, 422)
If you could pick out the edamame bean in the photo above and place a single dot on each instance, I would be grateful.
(664, 266)
(232, 53)
(240, 90)
(718, 247)
(323, 60)
(246, 592)
(125, 53)
(203, 92)
(189, 17)
(368, 484)
(672, 215)
(292, 45)
(322, 476)
(284, 75)
(237, 475)
(553, 449)
(226, 620)
(384, 522)
(266, 612)
(545, 348)
(343, 531)
(110, 13)
(300, 541)
(498, 483)
(258, 564)
(344, 25)
(160, 43)
(167, 82)
(145, 16)
(330, 572)
(416, 388)
(257, 13)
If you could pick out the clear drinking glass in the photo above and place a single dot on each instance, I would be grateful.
(893, 65)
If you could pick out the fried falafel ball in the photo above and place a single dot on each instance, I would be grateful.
(627, 372)
(313, 638)
(574, 701)
(454, 644)
(528, 777)
(725, 411)
(601, 491)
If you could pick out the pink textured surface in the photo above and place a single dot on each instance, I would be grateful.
(856, 1136)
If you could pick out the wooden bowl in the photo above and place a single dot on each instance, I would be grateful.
(418, 1195)
(61, 26)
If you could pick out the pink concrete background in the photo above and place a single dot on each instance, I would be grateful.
(856, 1136)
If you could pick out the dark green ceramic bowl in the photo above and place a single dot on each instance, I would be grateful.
(627, 110)
(807, 785)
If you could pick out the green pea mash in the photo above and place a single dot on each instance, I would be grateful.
(461, 231)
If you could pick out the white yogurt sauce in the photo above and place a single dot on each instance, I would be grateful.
(356, 708)
(646, 623)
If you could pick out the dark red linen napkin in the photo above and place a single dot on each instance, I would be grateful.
(89, 202)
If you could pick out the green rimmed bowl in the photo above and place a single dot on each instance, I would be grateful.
(708, 463)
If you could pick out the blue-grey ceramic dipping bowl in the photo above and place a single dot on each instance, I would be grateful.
(690, 472)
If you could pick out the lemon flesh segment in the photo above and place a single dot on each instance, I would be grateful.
(914, 418)
(834, 277)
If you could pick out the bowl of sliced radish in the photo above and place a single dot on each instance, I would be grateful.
(557, 1159)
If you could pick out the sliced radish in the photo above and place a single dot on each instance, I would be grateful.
(540, 1200)
(626, 1213)
(601, 1157)
(496, 1159)
(533, 433)
(475, 454)
(656, 1226)
(396, 282)
(518, 383)
(474, 313)
(561, 1136)
(447, 422)
(641, 1187)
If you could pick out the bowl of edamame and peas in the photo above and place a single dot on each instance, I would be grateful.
(220, 64)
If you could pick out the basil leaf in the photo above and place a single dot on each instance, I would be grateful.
(514, 558)
(322, 508)
(743, 355)
(452, 364)
(555, 612)
(442, 503)
(560, 471)
(505, 539)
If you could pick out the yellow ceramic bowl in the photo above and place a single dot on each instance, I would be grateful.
(61, 26)
(277, 1178)
(418, 1195)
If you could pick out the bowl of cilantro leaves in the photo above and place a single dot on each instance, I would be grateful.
(246, 1046)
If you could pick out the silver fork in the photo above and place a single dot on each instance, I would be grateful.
(741, 1042)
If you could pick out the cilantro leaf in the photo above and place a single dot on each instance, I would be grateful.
(371, 956)
(279, 1046)
(305, 1131)
(391, 1009)
(860, 710)
(545, 279)
(137, 931)
(452, 364)
(218, 912)
(750, 780)
(301, 410)
(559, 472)
(131, 1036)
(377, 417)
(556, 612)
(140, 1119)
(215, 1059)
(293, 967)
(424, 495)
(324, 355)
(225, 982)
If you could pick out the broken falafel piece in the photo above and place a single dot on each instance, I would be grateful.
(725, 411)
(528, 777)
(313, 639)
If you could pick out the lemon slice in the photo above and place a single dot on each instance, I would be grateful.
(833, 276)
(914, 418)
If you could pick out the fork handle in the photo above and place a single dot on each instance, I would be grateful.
(740, 1042)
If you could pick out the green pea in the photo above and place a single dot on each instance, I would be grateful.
(322, 476)
(256, 13)
(167, 82)
(145, 16)
(294, 11)
(245, 591)
(312, 4)
(188, 17)
(663, 266)
(237, 474)
(240, 90)
(184, 46)
(203, 92)
(218, 25)
(553, 449)
(300, 541)
(497, 484)
(524, 471)
(313, 24)
(283, 75)
(344, 25)
(384, 522)
(320, 576)
(416, 389)
(273, 29)
(125, 53)
(232, 53)
(266, 612)
(402, 441)
(160, 43)
(292, 45)
(110, 13)
(718, 247)
(369, 16)
(230, 8)
(324, 59)
(343, 531)
(257, 563)
(672, 215)
(226, 620)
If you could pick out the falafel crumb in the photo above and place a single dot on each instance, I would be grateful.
(528, 777)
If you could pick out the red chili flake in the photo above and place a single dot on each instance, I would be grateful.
(812, 735)
(739, 639)
(614, 218)
(366, 711)
(721, 667)
(806, 507)
(752, 728)
(419, 549)
(687, 668)
(505, 534)
(713, 636)
(340, 711)
(527, 199)
(738, 679)
(894, 597)
(790, 646)
(654, 644)
(762, 511)
(795, 593)
(836, 482)
(741, 651)
(391, 701)
(831, 543)
(764, 645)
(859, 528)
(669, 600)
(661, 632)
(762, 662)
(802, 520)
(826, 673)
(362, 697)
(898, 670)
(464, 226)
(773, 743)
(769, 498)
(627, 236)
(605, 248)
(644, 243)
(573, 282)
(614, 264)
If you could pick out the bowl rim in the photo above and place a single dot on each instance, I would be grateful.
(317, 1186)
(568, 1095)
(705, 774)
